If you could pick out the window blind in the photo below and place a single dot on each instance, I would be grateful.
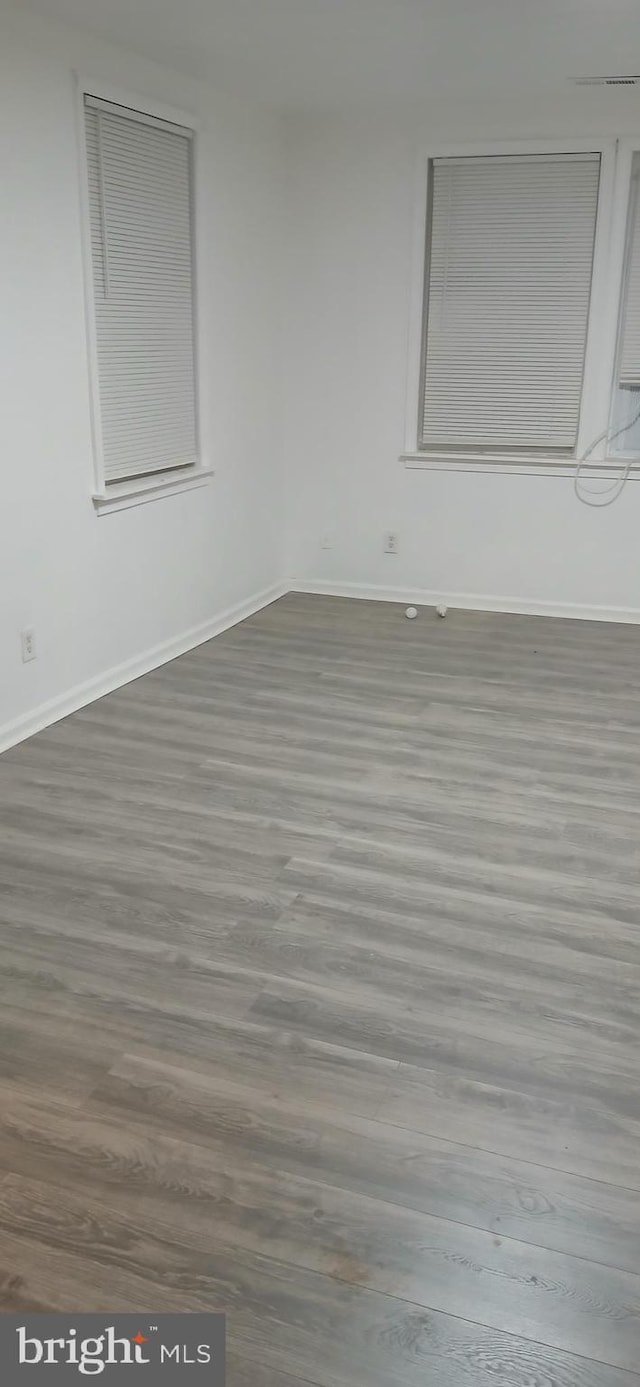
(629, 352)
(508, 282)
(141, 251)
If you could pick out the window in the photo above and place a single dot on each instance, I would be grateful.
(142, 314)
(525, 308)
(510, 251)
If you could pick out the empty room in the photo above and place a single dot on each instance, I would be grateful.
(319, 695)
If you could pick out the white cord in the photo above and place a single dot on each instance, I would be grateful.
(612, 491)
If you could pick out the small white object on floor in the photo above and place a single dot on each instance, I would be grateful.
(441, 610)
(411, 612)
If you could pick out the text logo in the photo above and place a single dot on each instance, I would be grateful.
(174, 1350)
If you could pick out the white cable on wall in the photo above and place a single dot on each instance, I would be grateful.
(613, 491)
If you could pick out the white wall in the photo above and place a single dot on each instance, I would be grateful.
(107, 594)
(104, 591)
(485, 539)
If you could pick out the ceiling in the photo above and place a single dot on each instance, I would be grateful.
(318, 54)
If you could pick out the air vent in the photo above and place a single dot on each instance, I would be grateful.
(608, 81)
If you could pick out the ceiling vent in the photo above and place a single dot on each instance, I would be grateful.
(608, 81)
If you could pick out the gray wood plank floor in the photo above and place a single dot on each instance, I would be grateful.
(320, 1000)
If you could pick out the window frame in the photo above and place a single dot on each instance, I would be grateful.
(602, 323)
(628, 153)
(152, 486)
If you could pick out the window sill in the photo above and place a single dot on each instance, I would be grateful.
(517, 466)
(135, 493)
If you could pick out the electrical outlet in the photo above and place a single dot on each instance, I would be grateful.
(326, 541)
(391, 542)
(28, 644)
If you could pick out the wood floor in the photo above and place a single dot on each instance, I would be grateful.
(320, 992)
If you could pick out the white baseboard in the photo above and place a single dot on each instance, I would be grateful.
(47, 713)
(470, 601)
(56, 708)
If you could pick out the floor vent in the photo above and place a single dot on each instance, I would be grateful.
(607, 81)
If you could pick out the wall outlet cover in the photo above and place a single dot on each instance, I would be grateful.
(28, 644)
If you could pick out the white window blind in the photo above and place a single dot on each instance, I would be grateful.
(509, 263)
(141, 251)
(629, 352)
